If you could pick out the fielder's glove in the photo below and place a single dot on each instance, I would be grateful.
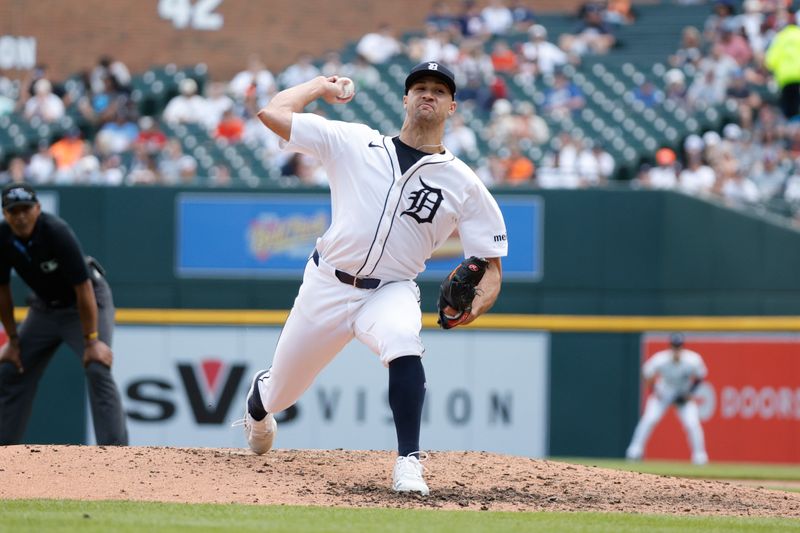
(459, 289)
(681, 400)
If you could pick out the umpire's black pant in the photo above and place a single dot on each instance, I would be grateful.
(40, 335)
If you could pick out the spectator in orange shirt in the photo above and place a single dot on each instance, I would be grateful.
(503, 58)
(67, 151)
(518, 168)
(230, 127)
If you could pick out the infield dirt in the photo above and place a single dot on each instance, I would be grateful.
(458, 480)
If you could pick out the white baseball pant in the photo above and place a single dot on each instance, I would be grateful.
(326, 315)
(689, 416)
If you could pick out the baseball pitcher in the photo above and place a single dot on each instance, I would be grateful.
(394, 201)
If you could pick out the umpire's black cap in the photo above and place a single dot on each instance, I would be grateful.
(676, 340)
(15, 194)
(432, 68)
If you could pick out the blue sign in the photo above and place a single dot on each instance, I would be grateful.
(248, 235)
(264, 235)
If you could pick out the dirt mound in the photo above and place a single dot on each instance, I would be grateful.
(458, 480)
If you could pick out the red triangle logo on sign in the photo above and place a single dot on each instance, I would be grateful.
(211, 368)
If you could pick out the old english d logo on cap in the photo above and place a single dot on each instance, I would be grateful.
(432, 68)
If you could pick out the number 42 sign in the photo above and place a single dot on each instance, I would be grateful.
(197, 15)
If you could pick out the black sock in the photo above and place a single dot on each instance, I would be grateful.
(406, 396)
(254, 405)
(256, 410)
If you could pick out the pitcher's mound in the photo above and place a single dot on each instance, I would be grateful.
(458, 480)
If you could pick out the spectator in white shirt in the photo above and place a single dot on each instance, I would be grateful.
(217, 103)
(186, 107)
(435, 46)
(255, 78)
(172, 161)
(595, 166)
(530, 125)
(498, 17)
(697, 178)
(731, 184)
(664, 175)
(738, 190)
(544, 55)
(705, 91)
(792, 192)
(44, 104)
(770, 175)
(42, 166)
(379, 47)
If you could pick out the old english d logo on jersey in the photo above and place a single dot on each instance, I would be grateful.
(424, 203)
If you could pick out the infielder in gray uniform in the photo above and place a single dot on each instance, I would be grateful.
(71, 303)
(394, 201)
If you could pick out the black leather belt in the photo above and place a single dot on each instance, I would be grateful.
(347, 279)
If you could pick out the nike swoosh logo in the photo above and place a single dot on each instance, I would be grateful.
(373, 145)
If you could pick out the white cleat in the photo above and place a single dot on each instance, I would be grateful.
(700, 459)
(260, 433)
(408, 476)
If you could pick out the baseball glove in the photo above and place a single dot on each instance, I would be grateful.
(681, 400)
(458, 291)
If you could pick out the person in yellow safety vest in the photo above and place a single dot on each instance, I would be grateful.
(783, 59)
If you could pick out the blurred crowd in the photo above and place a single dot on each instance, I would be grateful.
(110, 143)
(756, 159)
(741, 48)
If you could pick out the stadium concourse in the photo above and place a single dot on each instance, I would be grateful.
(673, 95)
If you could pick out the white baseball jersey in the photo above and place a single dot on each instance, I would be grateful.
(675, 378)
(385, 223)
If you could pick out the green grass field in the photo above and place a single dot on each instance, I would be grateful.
(86, 517)
(685, 469)
(73, 516)
(771, 474)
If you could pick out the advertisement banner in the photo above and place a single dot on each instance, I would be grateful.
(184, 386)
(260, 235)
(749, 405)
(247, 235)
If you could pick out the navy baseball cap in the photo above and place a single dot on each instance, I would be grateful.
(432, 68)
(15, 194)
(676, 340)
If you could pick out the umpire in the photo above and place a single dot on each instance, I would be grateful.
(71, 302)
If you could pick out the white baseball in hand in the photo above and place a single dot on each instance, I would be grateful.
(346, 88)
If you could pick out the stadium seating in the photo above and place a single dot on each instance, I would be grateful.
(612, 116)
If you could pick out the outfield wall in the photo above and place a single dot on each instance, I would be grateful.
(593, 252)
(520, 391)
